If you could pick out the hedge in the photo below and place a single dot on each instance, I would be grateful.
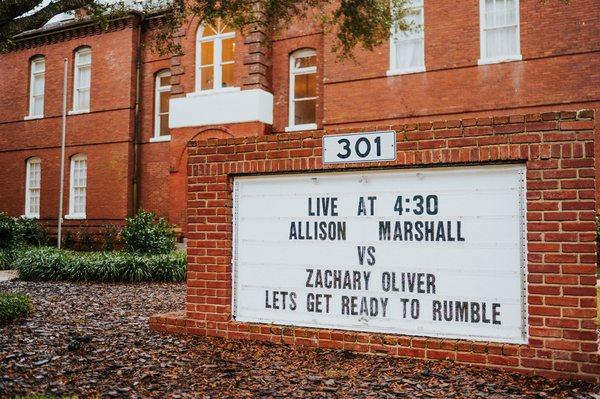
(13, 306)
(52, 264)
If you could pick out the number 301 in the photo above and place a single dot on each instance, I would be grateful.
(362, 147)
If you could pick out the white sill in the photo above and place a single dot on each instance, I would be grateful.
(407, 71)
(159, 139)
(487, 61)
(32, 117)
(74, 217)
(213, 92)
(30, 216)
(79, 111)
(299, 128)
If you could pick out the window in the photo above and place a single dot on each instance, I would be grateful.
(303, 91)
(36, 87)
(215, 50)
(499, 20)
(407, 48)
(162, 92)
(33, 181)
(77, 195)
(82, 80)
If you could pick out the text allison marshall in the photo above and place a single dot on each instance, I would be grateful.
(426, 231)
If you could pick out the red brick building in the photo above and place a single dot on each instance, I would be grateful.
(479, 82)
(525, 58)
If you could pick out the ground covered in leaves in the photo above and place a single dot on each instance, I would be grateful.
(92, 340)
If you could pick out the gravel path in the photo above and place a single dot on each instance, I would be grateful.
(92, 340)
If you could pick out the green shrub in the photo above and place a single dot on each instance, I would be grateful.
(68, 240)
(53, 264)
(13, 306)
(110, 237)
(30, 232)
(85, 239)
(17, 232)
(9, 236)
(144, 234)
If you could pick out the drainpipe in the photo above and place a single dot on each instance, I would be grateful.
(137, 115)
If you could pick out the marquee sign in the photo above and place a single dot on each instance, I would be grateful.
(428, 252)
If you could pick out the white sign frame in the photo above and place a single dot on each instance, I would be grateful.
(524, 329)
(331, 146)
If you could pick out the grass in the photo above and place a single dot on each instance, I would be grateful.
(13, 306)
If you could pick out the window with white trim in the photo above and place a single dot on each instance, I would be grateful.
(78, 184)
(407, 47)
(162, 93)
(303, 91)
(82, 80)
(33, 180)
(215, 51)
(499, 22)
(36, 87)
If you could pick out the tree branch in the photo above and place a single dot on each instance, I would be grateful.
(12, 9)
(39, 18)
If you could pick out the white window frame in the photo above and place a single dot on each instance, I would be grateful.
(483, 58)
(28, 188)
(77, 70)
(72, 214)
(396, 36)
(217, 61)
(33, 74)
(157, 114)
(293, 72)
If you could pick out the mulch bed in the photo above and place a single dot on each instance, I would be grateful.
(93, 339)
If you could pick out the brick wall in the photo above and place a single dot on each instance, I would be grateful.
(105, 134)
(558, 150)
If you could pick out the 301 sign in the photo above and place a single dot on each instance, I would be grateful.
(359, 147)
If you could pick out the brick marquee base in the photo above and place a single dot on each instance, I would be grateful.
(558, 149)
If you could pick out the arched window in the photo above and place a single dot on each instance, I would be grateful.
(37, 82)
(162, 93)
(33, 180)
(82, 80)
(215, 50)
(303, 90)
(78, 187)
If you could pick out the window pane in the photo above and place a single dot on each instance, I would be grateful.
(164, 101)
(38, 66)
(84, 77)
(38, 106)
(501, 42)
(84, 58)
(208, 31)
(410, 54)
(489, 13)
(228, 49)
(225, 29)
(227, 75)
(305, 86)
(83, 99)
(38, 85)
(207, 51)
(305, 62)
(207, 76)
(305, 112)
(164, 80)
(511, 12)
(164, 125)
